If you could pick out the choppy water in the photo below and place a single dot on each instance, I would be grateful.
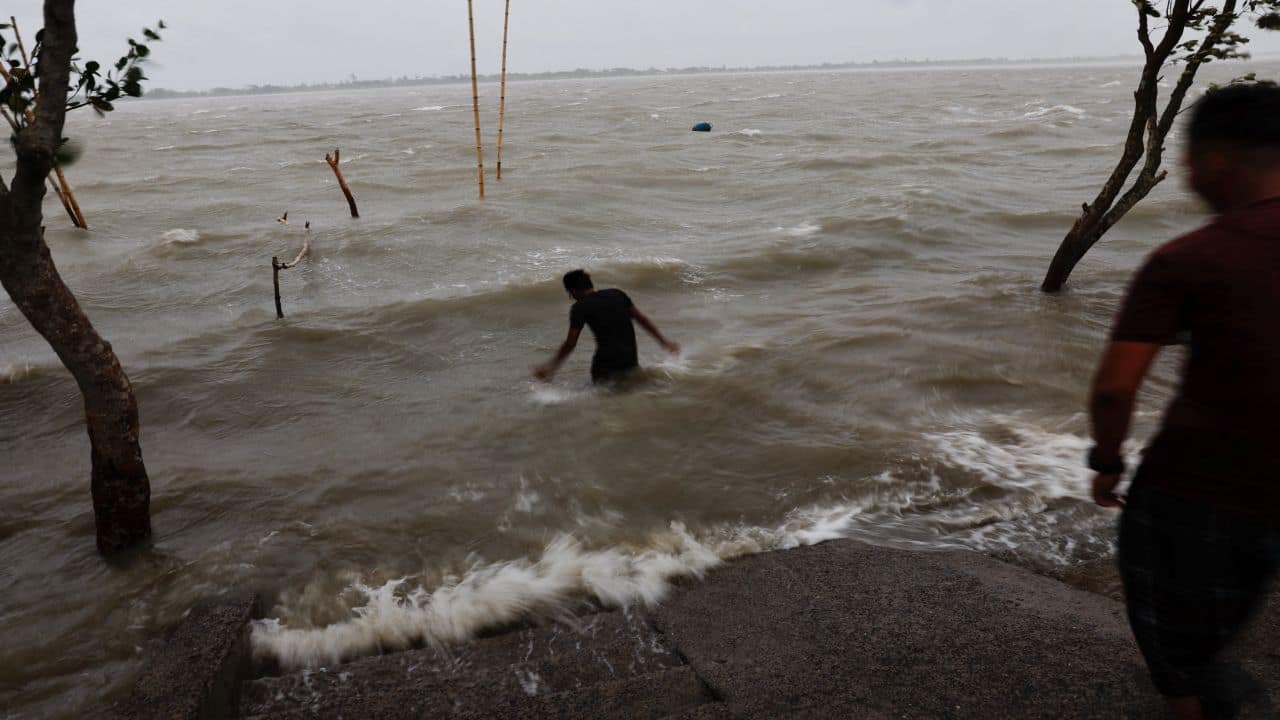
(850, 261)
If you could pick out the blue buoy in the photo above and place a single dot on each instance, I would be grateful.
(702, 127)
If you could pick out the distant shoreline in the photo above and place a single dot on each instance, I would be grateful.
(585, 74)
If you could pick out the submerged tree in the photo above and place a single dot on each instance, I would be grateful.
(1209, 28)
(38, 95)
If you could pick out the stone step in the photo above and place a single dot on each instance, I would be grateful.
(528, 663)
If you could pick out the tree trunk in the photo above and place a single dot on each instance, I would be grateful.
(121, 491)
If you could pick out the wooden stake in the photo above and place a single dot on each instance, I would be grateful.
(71, 212)
(275, 280)
(277, 266)
(475, 98)
(502, 92)
(70, 197)
(342, 182)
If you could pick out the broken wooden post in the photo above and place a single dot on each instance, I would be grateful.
(475, 100)
(342, 182)
(502, 91)
(275, 280)
(277, 266)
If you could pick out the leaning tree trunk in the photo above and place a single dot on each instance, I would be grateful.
(1147, 132)
(121, 490)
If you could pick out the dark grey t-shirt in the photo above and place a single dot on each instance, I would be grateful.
(608, 314)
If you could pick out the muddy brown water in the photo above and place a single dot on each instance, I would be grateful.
(850, 261)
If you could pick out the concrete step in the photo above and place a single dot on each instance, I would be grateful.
(710, 711)
(643, 697)
(535, 662)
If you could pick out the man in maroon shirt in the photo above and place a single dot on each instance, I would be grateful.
(1199, 535)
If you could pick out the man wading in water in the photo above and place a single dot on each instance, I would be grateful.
(1200, 532)
(609, 314)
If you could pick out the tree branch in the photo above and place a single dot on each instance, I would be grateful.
(1144, 31)
(1221, 24)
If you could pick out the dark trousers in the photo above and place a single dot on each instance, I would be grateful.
(1193, 577)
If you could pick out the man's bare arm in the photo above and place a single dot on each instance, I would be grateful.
(548, 371)
(1115, 392)
(652, 329)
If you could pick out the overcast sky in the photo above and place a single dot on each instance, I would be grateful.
(239, 42)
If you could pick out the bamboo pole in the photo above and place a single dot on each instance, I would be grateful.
(475, 98)
(61, 188)
(69, 196)
(277, 266)
(502, 92)
(26, 61)
(342, 182)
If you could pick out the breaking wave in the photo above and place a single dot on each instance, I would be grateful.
(1037, 468)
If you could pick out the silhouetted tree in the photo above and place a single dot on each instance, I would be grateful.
(1214, 39)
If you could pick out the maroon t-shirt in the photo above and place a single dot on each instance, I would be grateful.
(1218, 289)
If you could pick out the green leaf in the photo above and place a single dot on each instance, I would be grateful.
(161, 25)
(121, 63)
(150, 34)
(91, 67)
(68, 152)
(1270, 21)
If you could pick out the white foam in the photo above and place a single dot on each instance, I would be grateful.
(395, 618)
(180, 236)
(804, 229)
(15, 372)
(1055, 110)
(547, 394)
(164, 147)
(749, 132)
(1113, 83)
(1014, 453)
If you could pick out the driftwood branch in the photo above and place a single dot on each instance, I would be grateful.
(333, 161)
(277, 266)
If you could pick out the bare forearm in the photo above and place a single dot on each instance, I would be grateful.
(561, 355)
(650, 328)
(1111, 413)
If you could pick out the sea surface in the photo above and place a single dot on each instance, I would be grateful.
(850, 261)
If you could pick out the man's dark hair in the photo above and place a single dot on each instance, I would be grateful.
(1245, 114)
(577, 280)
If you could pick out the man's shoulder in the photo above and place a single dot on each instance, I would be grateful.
(1190, 244)
(612, 295)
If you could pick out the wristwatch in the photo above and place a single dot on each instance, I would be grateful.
(1115, 467)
